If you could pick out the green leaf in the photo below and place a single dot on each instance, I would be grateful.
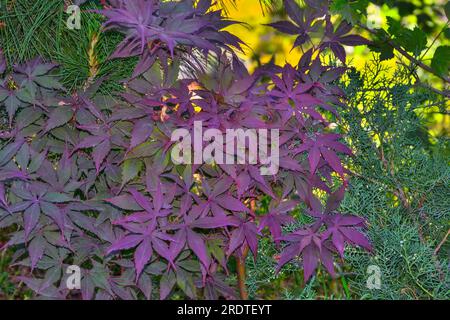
(57, 197)
(12, 104)
(380, 45)
(48, 82)
(154, 74)
(58, 117)
(394, 27)
(146, 285)
(186, 283)
(146, 149)
(8, 152)
(414, 41)
(441, 60)
(447, 33)
(166, 284)
(100, 277)
(190, 265)
(215, 249)
(386, 51)
(36, 162)
(26, 95)
(27, 116)
(23, 156)
(130, 170)
(350, 10)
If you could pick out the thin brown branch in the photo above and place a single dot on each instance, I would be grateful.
(241, 273)
(441, 243)
(408, 56)
(445, 93)
(435, 258)
(240, 262)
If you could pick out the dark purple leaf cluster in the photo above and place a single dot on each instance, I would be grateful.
(88, 179)
(162, 29)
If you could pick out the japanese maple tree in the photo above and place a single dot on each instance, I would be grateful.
(88, 179)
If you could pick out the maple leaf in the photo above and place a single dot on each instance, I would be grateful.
(338, 38)
(194, 240)
(245, 234)
(218, 200)
(303, 18)
(276, 218)
(342, 229)
(307, 243)
(293, 95)
(324, 145)
(100, 138)
(36, 200)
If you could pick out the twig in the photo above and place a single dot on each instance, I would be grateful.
(408, 56)
(445, 93)
(240, 267)
(414, 277)
(441, 243)
(240, 262)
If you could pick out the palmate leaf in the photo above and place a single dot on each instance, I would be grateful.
(10, 100)
(245, 234)
(338, 38)
(36, 73)
(165, 25)
(314, 245)
(130, 170)
(303, 19)
(308, 244)
(325, 146)
(350, 10)
(101, 139)
(276, 218)
(30, 218)
(441, 60)
(58, 117)
(414, 41)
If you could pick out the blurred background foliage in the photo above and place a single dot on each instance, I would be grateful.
(397, 121)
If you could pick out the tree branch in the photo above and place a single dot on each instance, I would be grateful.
(240, 267)
(441, 243)
(408, 56)
(240, 262)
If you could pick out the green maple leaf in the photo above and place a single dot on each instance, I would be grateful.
(441, 60)
(350, 10)
(414, 41)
